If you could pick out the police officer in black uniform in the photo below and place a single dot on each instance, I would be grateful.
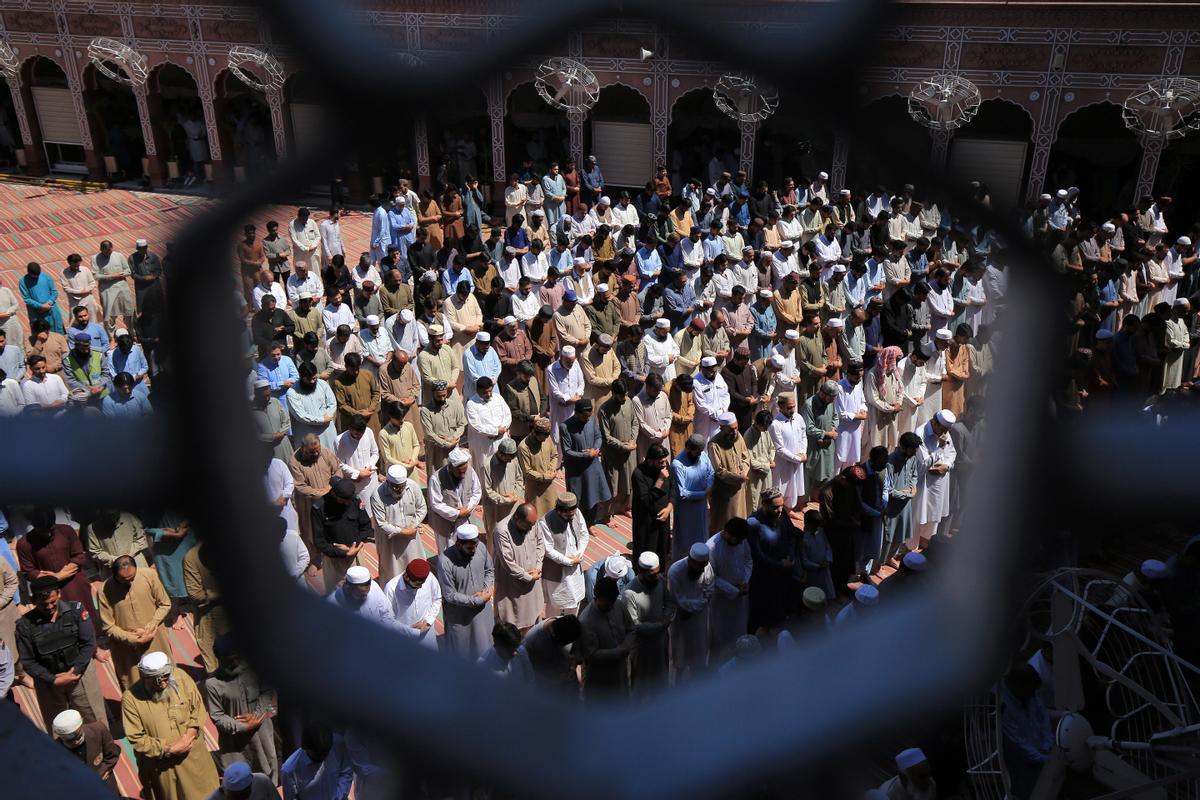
(56, 643)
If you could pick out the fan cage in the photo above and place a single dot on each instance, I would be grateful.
(745, 98)
(1164, 109)
(944, 102)
(566, 84)
(241, 56)
(9, 65)
(118, 61)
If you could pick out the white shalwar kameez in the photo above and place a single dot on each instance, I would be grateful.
(914, 380)
(484, 421)
(375, 607)
(731, 565)
(564, 383)
(849, 403)
(935, 368)
(661, 355)
(568, 592)
(791, 450)
(306, 245)
(689, 631)
(391, 516)
(411, 606)
(355, 455)
(712, 400)
(932, 502)
(278, 483)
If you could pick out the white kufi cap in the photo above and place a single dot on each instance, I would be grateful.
(67, 722)
(458, 456)
(944, 334)
(616, 567)
(648, 560)
(466, 532)
(358, 575)
(708, 361)
(397, 474)
(154, 664)
(946, 417)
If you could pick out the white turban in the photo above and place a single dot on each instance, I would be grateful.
(458, 457)
(406, 315)
(616, 567)
(154, 664)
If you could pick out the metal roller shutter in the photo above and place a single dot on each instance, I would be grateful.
(308, 123)
(997, 162)
(625, 152)
(56, 115)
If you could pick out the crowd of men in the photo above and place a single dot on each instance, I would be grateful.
(782, 389)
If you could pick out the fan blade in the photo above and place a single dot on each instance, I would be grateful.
(1116, 773)
(562, 91)
(1068, 683)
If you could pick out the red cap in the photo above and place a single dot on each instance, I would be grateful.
(417, 570)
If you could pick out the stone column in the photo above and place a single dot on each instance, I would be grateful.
(421, 145)
(151, 136)
(841, 159)
(748, 132)
(1152, 148)
(495, 106)
(576, 119)
(279, 123)
(941, 148)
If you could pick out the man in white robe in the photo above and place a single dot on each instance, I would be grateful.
(566, 385)
(416, 600)
(306, 241)
(406, 334)
(450, 505)
(941, 301)
(398, 509)
(914, 378)
(279, 487)
(729, 557)
(377, 345)
(784, 354)
(488, 421)
(932, 502)
(358, 455)
(661, 350)
(790, 437)
(565, 537)
(690, 581)
(712, 398)
(360, 595)
(852, 412)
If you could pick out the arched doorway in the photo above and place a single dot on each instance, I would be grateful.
(618, 133)
(887, 146)
(701, 140)
(995, 149)
(1178, 174)
(1096, 152)
(460, 140)
(534, 130)
(793, 143)
(173, 102)
(10, 129)
(50, 99)
(116, 126)
(244, 125)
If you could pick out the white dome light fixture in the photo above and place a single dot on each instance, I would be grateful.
(944, 102)
(118, 61)
(567, 84)
(745, 98)
(1166, 108)
(241, 56)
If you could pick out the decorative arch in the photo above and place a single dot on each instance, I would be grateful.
(1077, 109)
(533, 129)
(647, 92)
(172, 94)
(886, 145)
(697, 133)
(115, 122)
(244, 124)
(1094, 150)
(685, 93)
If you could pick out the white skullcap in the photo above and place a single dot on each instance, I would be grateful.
(261, 384)
(397, 474)
(866, 595)
(537, 212)
(580, 261)
(648, 560)
(406, 315)
(910, 758)
(844, 192)
(510, 320)
(429, 275)
(835, 323)
(727, 418)
(604, 201)
(747, 249)
(459, 456)
(787, 244)
(154, 663)
(401, 200)
(483, 336)
(358, 576)
(67, 722)
(699, 552)
(616, 567)
(510, 250)
(764, 293)
(141, 243)
(121, 332)
(568, 350)
(839, 268)
(1108, 227)
(601, 288)
(1061, 193)
(662, 323)
(1182, 302)
(791, 334)
(306, 295)
(1104, 333)
(915, 561)
(946, 417)
(823, 175)
(777, 360)
(1184, 240)
(708, 361)
(605, 339)
(710, 192)
(466, 532)
(944, 334)
(1046, 197)
(1152, 569)
(372, 319)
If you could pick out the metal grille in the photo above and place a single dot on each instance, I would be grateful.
(702, 739)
